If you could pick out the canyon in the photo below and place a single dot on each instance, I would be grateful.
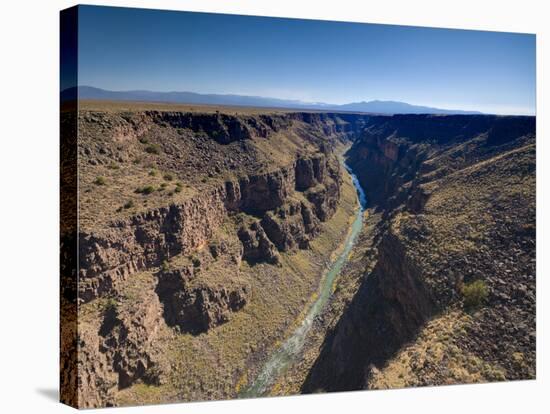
(457, 200)
(204, 234)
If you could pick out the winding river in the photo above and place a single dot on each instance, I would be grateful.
(289, 351)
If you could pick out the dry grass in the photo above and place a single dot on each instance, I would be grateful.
(436, 357)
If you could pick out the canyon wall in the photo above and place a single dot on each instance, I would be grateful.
(147, 239)
(457, 194)
(177, 263)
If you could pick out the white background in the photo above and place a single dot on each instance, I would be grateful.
(29, 159)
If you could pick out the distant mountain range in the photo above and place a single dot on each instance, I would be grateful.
(383, 107)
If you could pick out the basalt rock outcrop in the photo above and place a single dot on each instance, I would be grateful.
(196, 309)
(310, 171)
(291, 226)
(257, 247)
(147, 239)
(117, 346)
(202, 291)
(225, 128)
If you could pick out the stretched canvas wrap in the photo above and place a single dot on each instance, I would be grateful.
(256, 206)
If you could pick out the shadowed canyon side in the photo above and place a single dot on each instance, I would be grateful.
(210, 238)
(451, 297)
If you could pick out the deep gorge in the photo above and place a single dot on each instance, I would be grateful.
(197, 254)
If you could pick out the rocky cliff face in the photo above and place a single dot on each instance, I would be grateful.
(387, 310)
(116, 343)
(458, 197)
(196, 302)
(225, 128)
(199, 308)
(391, 150)
(145, 240)
(185, 253)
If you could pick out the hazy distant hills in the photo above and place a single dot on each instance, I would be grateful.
(395, 107)
(384, 107)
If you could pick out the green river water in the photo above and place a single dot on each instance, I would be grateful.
(289, 352)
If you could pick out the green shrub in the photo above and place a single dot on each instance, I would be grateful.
(168, 177)
(100, 180)
(196, 261)
(144, 140)
(148, 189)
(129, 204)
(164, 266)
(111, 305)
(152, 149)
(113, 166)
(152, 173)
(475, 294)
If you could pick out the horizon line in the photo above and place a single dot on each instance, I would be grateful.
(531, 113)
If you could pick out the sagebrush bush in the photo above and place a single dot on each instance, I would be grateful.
(100, 180)
(148, 189)
(111, 305)
(152, 149)
(475, 294)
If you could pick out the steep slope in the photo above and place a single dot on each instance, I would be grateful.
(452, 296)
(198, 231)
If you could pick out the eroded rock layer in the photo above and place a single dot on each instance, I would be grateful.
(146, 239)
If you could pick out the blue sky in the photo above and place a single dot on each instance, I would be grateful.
(320, 61)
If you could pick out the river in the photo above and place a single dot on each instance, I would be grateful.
(289, 352)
